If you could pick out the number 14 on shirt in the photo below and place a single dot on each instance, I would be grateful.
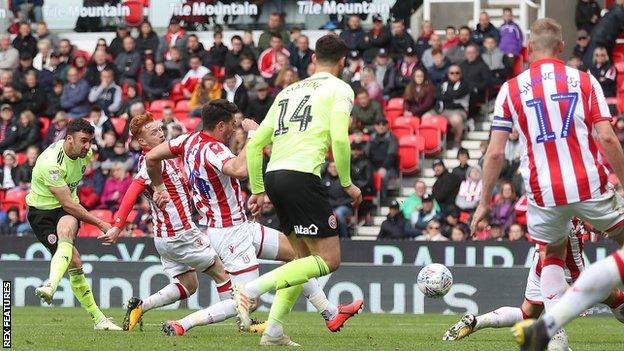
(304, 118)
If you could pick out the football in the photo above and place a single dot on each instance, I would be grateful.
(434, 280)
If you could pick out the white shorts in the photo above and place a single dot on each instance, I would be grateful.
(532, 291)
(190, 250)
(550, 225)
(240, 246)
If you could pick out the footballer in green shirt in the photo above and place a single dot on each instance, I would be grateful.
(306, 120)
(54, 213)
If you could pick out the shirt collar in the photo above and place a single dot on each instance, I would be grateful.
(552, 60)
(208, 137)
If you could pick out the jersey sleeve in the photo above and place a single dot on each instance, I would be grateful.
(141, 176)
(502, 113)
(218, 155)
(176, 146)
(598, 107)
(54, 176)
(339, 133)
(255, 145)
(343, 100)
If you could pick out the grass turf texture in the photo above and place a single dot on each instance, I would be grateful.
(38, 328)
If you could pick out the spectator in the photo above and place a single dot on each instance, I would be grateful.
(8, 129)
(446, 186)
(174, 66)
(268, 216)
(419, 94)
(101, 45)
(68, 52)
(128, 62)
(604, 71)
(475, 73)
(175, 130)
(463, 157)
(339, 201)
(234, 91)
(422, 42)
(383, 67)
(497, 62)
(402, 74)
(147, 41)
(459, 233)
(42, 33)
(376, 39)
(42, 59)
(484, 28)
(193, 76)
(353, 69)
(606, 32)
(119, 155)
(57, 130)
(496, 232)
(419, 219)
(516, 233)
(301, 57)
(99, 62)
(249, 45)
(455, 53)
(209, 89)
(284, 78)
(19, 74)
(260, 104)
(394, 225)
(53, 99)
(12, 97)
(268, 58)
(511, 37)
(483, 230)
(195, 48)
(450, 220)
(13, 224)
(502, 211)
(115, 187)
(366, 111)
(28, 132)
(80, 63)
(6, 78)
(101, 122)
(107, 95)
(400, 41)
(513, 152)
(439, 70)
(233, 56)
(275, 25)
(353, 34)
(217, 51)
(56, 66)
(470, 190)
(414, 202)
(9, 170)
(435, 44)
(24, 171)
(582, 43)
(587, 14)
(451, 38)
(168, 118)
(156, 85)
(174, 37)
(34, 98)
(248, 71)
(75, 96)
(452, 97)
(383, 153)
(295, 33)
(9, 56)
(25, 42)
(432, 232)
(116, 46)
(369, 83)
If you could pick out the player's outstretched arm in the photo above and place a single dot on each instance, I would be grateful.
(153, 163)
(63, 195)
(492, 166)
(341, 149)
(237, 167)
(612, 147)
(120, 218)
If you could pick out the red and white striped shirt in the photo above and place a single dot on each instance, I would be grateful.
(554, 108)
(177, 216)
(217, 196)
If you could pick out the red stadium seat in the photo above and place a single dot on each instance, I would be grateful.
(191, 124)
(394, 109)
(402, 130)
(87, 229)
(432, 139)
(182, 106)
(119, 124)
(409, 154)
(396, 104)
(414, 122)
(20, 158)
(436, 120)
(176, 93)
(45, 124)
(365, 138)
(159, 105)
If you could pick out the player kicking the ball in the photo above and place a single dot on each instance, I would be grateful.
(306, 119)
(183, 248)
(533, 303)
(213, 173)
(54, 214)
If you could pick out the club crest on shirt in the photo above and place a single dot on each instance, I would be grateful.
(54, 174)
(52, 239)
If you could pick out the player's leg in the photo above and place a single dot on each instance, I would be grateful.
(615, 301)
(66, 230)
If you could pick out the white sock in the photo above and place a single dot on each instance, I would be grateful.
(274, 329)
(225, 290)
(500, 318)
(165, 296)
(313, 292)
(552, 281)
(216, 313)
(592, 286)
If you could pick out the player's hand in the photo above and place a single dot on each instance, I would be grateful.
(355, 194)
(255, 203)
(110, 237)
(479, 214)
(161, 198)
(249, 124)
(104, 226)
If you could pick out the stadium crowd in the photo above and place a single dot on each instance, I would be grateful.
(45, 81)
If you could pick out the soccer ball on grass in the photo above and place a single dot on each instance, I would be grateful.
(434, 280)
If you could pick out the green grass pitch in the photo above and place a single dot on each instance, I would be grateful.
(38, 328)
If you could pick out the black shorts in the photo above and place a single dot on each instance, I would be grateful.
(301, 203)
(43, 223)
